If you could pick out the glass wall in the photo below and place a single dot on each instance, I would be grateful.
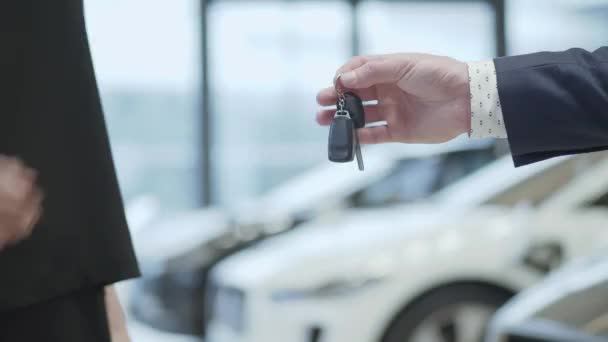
(463, 30)
(555, 25)
(146, 53)
(267, 61)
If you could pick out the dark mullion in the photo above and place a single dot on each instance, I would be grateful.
(500, 27)
(205, 108)
(354, 29)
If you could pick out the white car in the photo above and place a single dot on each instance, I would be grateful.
(176, 253)
(569, 305)
(433, 271)
(332, 186)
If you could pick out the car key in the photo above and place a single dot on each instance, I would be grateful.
(341, 136)
(343, 142)
(354, 106)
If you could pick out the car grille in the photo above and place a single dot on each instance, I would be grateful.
(227, 307)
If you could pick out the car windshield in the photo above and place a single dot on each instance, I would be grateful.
(499, 183)
(414, 179)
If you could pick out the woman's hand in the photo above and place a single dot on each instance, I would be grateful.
(116, 317)
(20, 201)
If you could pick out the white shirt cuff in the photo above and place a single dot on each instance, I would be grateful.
(486, 112)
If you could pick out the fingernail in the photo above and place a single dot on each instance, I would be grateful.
(347, 78)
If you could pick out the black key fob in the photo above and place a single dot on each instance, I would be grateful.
(341, 140)
(354, 106)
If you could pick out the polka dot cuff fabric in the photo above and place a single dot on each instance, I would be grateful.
(486, 112)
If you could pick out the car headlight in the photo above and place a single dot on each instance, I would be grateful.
(329, 289)
(226, 305)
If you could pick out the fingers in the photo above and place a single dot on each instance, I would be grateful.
(18, 224)
(20, 200)
(31, 213)
(116, 316)
(375, 135)
(373, 113)
(324, 117)
(17, 183)
(328, 96)
(354, 63)
(375, 72)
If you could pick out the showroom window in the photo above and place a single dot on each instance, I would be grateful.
(146, 53)
(460, 29)
(555, 25)
(267, 60)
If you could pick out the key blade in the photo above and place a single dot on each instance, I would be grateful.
(358, 153)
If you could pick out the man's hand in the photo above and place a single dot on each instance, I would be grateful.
(422, 98)
(20, 201)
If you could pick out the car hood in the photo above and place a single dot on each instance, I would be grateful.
(348, 239)
(171, 236)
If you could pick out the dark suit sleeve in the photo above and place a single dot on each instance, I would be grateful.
(554, 103)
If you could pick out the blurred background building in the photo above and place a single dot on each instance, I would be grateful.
(212, 102)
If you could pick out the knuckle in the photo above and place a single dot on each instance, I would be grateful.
(351, 64)
(403, 69)
(397, 69)
(21, 193)
(369, 68)
(23, 218)
(358, 60)
(16, 165)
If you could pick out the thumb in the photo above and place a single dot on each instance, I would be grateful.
(373, 73)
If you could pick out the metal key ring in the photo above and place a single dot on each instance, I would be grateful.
(338, 85)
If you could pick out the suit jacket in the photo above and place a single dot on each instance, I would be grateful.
(554, 103)
(51, 117)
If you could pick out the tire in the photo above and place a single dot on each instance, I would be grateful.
(441, 315)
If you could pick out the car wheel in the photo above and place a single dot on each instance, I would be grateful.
(458, 313)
